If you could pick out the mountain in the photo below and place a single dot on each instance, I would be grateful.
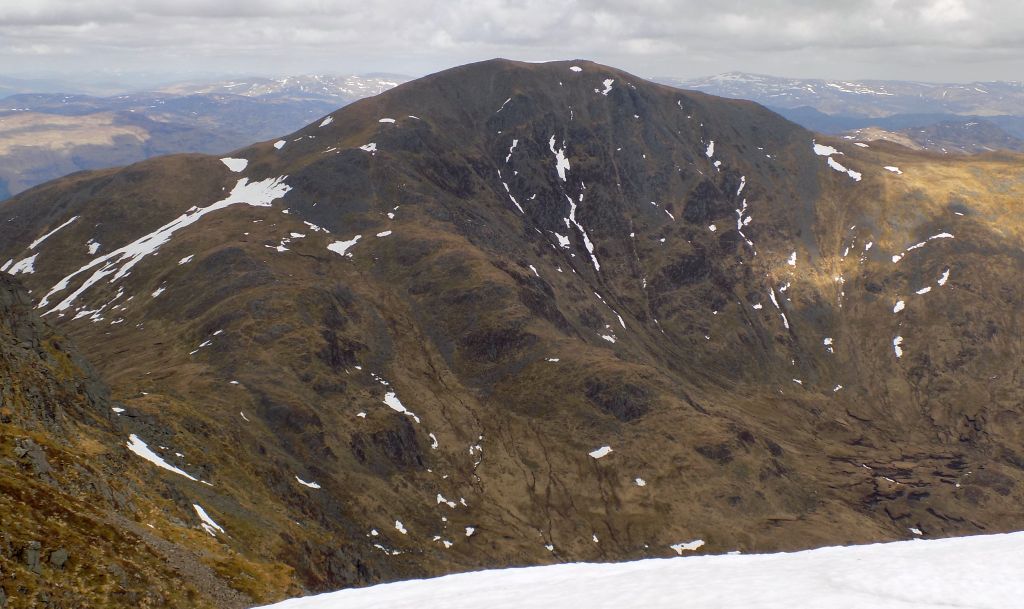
(515, 314)
(964, 118)
(901, 575)
(46, 136)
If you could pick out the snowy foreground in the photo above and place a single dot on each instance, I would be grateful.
(985, 571)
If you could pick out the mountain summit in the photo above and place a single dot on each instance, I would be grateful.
(523, 313)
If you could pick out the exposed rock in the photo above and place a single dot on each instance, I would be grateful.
(30, 556)
(59, 558)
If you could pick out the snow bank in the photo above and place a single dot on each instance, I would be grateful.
(980, 572)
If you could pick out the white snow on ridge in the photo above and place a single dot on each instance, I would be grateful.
(576, 68)
(27, 265)
(235, 165)
(710, 152)
(208, 524)
(137, 446)
(327, 121)
(33, 245)
(822, 150)
(121, 261)
(607, 86)
(981, 572)
(604, 451)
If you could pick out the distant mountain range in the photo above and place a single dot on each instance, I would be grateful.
(865, 97)
(974, 117)
(47, 135)
(347, 88)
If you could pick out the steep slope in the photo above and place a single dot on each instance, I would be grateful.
(517, 314)
(75, 529)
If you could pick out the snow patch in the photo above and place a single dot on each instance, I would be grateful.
(604, 451)
(309, 484)
(26, 266)
(33, 245)
(137, 446)
(208, 524)
(688, 546)
(392, 401)
(561, 162)
(235, 165)
(342, 247)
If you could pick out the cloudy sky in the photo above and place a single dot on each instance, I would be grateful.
(940, 40)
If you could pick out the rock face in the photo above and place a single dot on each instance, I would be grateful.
(514, 314)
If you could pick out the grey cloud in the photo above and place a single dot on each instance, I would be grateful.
(869, 38)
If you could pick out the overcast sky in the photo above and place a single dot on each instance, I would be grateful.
(938, 40)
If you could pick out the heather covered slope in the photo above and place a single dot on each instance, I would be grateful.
(513, 314)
